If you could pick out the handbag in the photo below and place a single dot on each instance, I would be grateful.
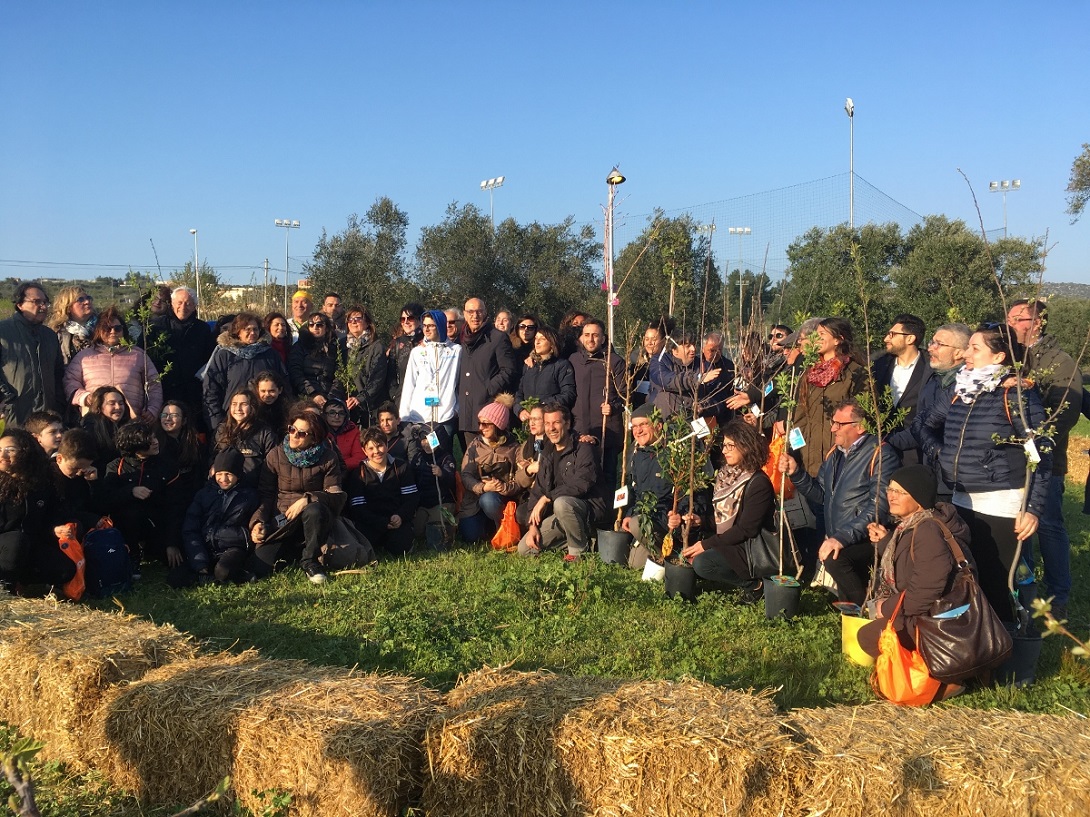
(901, 676)
(961, 636)
(508, 533)
(763, 554)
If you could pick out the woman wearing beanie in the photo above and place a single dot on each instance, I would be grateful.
(429, 393)
(914, 558)
(488, 472)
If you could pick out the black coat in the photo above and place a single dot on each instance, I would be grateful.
(372, 502)
(312, 367)
(487, 368)
(552, 380)
(901, 437)
(231, 368)
(216, 521)
(590, 391)
(573, 472)
(186, 346)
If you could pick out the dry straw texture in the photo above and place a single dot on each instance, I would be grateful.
(541, 744)
(341, 743)
(942, 762)
(57, 660)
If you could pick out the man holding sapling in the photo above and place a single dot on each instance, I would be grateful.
(645, 478)
(599, 405)
(851, 487)
(905, 371)
(568, 498)
(1060, 382)
(946, 355)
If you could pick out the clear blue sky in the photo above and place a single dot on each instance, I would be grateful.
(127, 121)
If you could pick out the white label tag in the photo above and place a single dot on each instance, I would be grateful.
(700, 427)
(755, 410)
(795, 439)
(620, 497)
(768, 388)
(433, 440)
(1031, 452)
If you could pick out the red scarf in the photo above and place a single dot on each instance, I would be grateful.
(824, 373)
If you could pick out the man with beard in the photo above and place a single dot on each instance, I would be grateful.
(946, 356)
(905, 371)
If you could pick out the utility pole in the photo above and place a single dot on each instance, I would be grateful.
(265, 291)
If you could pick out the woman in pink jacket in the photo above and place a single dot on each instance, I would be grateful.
(112, 360)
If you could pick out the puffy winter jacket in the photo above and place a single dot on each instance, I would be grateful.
(482, 460)
(232, 366)
(573, 472)
(130, 370)
(215, 521)
(550, 381)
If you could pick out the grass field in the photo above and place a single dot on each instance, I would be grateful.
(435, 617)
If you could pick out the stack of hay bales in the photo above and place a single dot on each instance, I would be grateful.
(341, 743)
(953, 762)
(541, 744)
(57, 660)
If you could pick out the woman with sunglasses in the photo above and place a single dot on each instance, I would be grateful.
(312, 363)
(301, 495)
(522, 333)
(242, 352)
(73, 320)
(978, 437)
(407, 335)
(366, 359)
(112, 360)
(742, 504)
(343, 433)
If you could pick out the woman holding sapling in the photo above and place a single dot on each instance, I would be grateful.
(742, 504)
(986, 441)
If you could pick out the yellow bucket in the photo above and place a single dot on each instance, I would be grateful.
(849, 642)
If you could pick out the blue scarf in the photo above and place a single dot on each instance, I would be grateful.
(304, 457)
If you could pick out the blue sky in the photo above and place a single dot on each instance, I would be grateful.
(124, 122)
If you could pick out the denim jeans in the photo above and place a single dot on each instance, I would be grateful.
(1054, 544)
(483, 524)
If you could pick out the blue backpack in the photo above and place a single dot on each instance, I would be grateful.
(108, 569)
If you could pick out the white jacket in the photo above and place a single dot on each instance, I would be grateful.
(432, 371)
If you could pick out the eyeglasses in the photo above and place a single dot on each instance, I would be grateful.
(429, 325)
(940, 344)
(336, 412)
(526, 327)
(293, 431)
(408, 319)
(838, 423)
(1020, 320)
(107, 330)
(35, 302)
(355, 319)
(167, 416)
(729, 446)
(83, 299)
(895, 491)
(902, 334)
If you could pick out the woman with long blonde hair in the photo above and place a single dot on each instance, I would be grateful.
(73, 320)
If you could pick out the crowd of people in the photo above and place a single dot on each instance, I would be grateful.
(229, 450)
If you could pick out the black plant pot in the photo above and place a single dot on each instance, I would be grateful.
(782, 594)
(680, 581)
(613, 546)
(1020, 670)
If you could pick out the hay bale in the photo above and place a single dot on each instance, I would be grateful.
(949, 761)
(338, 741)
(541, 744)
(58, 659)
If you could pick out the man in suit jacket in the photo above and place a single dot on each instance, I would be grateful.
(905, 371)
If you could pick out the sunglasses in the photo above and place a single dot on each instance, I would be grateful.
(777, 336)
(293, 431)
(526, 327)
(83, 299)
(316, 325)
(109, 329)
(355, 319)
(408, 319)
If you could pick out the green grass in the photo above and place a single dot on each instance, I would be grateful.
(435, 617)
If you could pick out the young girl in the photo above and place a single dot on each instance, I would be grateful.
(244, 431)
(107, 412)
(344, 433)
(272, 400)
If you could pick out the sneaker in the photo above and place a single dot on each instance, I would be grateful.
(570, 557)
(315, 574)
(752, 595)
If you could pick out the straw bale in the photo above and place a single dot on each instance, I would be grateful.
(58, 659)
(948, 761)
(542, 744)
(338, 741)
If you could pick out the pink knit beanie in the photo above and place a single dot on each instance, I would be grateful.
(496, 413)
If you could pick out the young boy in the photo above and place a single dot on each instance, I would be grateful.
(76, 478)
(47, 428)
(140, 474)
(215, 535)
(434, 471)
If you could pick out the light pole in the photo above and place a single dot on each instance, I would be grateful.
(849, 109)
(196, 267)
(740, 232)
(710, 230)
(612, 180)
(1004, 187)
(288, 225)
(490, 185)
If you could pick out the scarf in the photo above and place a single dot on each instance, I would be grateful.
(304, 457)
(537, 359)
(81, 331)
(249, 351)
(823, 373)
(727, 495)
(947, 377)
(969, 384)
(888, 586)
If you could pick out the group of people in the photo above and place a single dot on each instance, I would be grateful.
(228, 452)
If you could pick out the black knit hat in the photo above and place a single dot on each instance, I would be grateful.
(229, 460)
(919, 481)
(643, 411)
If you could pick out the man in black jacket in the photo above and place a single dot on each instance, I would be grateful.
(568, 499)
(488, 367)
(905, 370)
(184, 341)
(30, 357)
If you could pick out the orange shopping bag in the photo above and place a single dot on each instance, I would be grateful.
(508, 535)
(74, 551)
(900, 675)
(772, 467)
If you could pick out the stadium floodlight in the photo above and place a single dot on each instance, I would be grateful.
(490, 185)
(288, 225)
(1004, 187)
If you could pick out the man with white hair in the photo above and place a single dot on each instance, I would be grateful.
(183, 340)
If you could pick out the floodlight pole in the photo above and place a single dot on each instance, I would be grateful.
(196, 266)
(1004, 187)
(288, 225)
(740, 232)
(612, 180)
(490, 185)
(849, 108)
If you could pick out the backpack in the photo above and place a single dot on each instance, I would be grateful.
(108, 569)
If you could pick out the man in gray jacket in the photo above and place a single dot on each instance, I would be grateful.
(31, 369)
